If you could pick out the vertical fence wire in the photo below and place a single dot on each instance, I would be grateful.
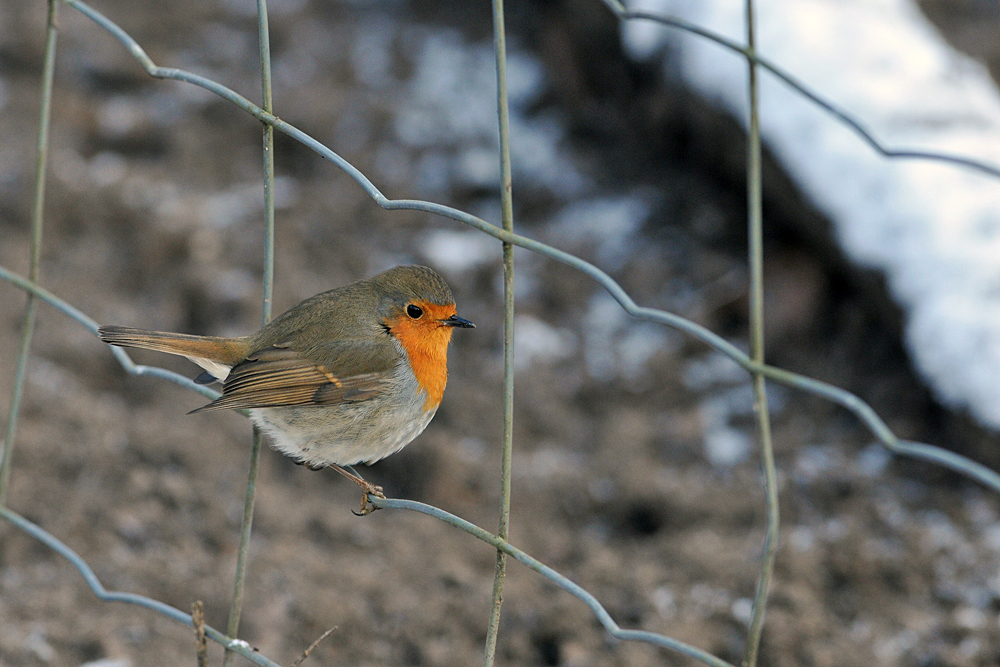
(755, 244)
(246, 525)
(507, 221)
(267, 99)
(35, 258)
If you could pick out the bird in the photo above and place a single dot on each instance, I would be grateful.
(348, 376)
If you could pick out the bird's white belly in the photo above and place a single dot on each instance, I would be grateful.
(347, 433)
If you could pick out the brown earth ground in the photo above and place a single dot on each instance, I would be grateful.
(881, 562)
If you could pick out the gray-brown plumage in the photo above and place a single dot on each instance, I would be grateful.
(349, 375)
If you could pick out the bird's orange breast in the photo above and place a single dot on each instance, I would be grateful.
(426, 343)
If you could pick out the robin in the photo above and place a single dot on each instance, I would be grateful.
(347, 376)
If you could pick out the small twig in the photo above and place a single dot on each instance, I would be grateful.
(198, 621)
(305, 654)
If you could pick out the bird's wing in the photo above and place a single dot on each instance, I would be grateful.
(279, 375)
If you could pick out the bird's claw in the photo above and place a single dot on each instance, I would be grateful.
(368, 489)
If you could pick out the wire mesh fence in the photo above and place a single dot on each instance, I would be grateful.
(753, 362)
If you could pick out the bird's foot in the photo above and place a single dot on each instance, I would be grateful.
(367, 489)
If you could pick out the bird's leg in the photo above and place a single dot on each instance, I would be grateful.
(366, 488)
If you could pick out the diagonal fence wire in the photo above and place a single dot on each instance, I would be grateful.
(46, 538)
(792, 82)
(753, 363)
(837, 395)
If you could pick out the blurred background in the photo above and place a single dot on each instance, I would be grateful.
(635, 471)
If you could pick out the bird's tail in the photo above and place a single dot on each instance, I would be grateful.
(205, 347)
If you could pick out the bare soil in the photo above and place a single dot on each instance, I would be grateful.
(153, 220)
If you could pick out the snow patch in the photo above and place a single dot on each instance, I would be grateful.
(933, 229)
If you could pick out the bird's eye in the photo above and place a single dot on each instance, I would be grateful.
(414, 311)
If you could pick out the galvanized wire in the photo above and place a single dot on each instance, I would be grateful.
(46, 538)
(91, 325)
(507, 220)
(35, 257)
(755, 258)
(837, 112)
(753, 362)
(257, 438)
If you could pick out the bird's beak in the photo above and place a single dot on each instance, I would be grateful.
(456, 321)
